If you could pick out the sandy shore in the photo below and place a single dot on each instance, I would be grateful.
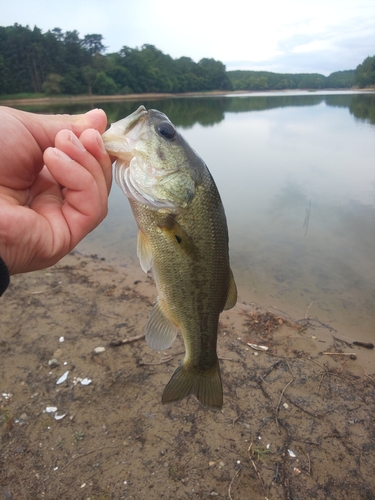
(107, 98)
(296, 422)
(150, 96)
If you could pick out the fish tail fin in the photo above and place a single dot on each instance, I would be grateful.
(204, 384)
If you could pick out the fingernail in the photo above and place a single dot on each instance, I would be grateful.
(100, 142)
(77, 143)
(61, 154)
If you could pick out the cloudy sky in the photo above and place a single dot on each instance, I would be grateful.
(284, 36)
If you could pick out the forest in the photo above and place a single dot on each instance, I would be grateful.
(57, 62)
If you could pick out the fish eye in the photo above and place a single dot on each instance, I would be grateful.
(166, 130)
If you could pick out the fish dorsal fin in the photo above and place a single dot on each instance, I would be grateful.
(179, 236)
(144, 252)
(232, 292)
(160, 331)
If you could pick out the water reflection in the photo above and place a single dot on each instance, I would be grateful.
(208, 111)
(276, 158)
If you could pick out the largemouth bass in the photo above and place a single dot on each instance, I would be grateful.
(183, 238)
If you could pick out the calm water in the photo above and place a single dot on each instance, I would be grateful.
(297, 178)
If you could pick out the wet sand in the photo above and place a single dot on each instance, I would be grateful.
(296, 423)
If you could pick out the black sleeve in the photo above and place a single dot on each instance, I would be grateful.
(4, 277)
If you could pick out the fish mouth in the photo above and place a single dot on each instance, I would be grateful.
(139, 180)
(120, 138)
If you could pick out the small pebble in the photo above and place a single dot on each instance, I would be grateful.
(98, 350)
(61, 339)
(53, 363)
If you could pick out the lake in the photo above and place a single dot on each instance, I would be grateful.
(296, 173)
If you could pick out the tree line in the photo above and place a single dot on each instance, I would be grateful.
(265, 80)
(57, 62)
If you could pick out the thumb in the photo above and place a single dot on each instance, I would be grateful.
(95, 118)
(50, 125)
(43, 128)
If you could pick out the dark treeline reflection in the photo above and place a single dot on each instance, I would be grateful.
(363, 109)
(208, 111)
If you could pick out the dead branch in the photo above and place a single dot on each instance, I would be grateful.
(301, 408)
(87, 453)
(275, 365)
(255, 468)
(164, 360)
(116, 343)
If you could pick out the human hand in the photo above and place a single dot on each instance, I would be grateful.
(50, 197)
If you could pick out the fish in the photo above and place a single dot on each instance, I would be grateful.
(183, 240)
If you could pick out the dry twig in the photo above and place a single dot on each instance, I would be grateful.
(340, 353)
(234, 477)
(281, 397)
(164, 360)
(116, 343)
(87, 453)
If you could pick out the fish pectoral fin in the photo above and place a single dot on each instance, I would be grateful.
(160, 331)
(179, 236)
(204, 384)
(144, 252)
(232, 293)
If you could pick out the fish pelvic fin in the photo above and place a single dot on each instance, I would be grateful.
(232, 292)
(160, 331)
(144, 252)
(204, 384)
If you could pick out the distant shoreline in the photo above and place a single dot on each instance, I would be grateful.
(149, 96)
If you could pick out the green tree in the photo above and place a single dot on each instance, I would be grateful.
(58, 34)
(215, 75)
(93, 44)
(89, 75)
(365, 73)
(104, 85)
(341, 79)
(52, 84)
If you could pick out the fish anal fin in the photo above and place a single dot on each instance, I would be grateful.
(144, 252)
(205, 385)
(232, 292)
(160, 331)
(179, 236)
